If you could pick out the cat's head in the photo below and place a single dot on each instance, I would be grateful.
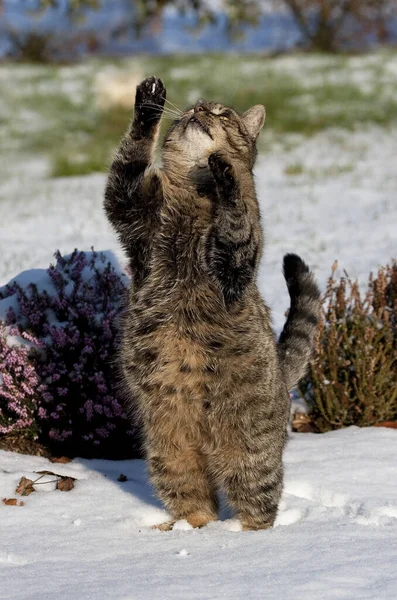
(209, 127)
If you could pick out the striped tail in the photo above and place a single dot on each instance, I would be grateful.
(295, 345)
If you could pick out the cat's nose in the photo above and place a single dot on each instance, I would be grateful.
(198, 108)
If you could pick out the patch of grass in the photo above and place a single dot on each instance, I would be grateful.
(298, 168)
(91, 152)
(335, 170)
(294, 169)
(53, 110)
(70, 166)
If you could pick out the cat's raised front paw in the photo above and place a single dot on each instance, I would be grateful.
(150, 98)
(221, 168)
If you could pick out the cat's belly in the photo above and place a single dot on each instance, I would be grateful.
(176, 361)
(195, 363)
(188, 344)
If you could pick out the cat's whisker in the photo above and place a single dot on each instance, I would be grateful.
(159, 111)
(168, 118)
(158, 115)
(174, 105)
(156, 105)
(163, 109)
(234, 93)
(173, 115)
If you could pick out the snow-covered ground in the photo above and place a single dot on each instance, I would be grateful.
(335, 537)
(329, 197)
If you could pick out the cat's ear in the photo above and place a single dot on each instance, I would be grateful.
(254, 119)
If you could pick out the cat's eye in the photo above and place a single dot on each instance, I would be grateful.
(224, 118)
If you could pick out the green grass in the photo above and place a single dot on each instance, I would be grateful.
(53, 111)
(294, 169)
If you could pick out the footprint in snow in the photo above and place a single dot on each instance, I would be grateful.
(323, 499)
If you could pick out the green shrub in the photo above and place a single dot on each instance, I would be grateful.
(353, 377)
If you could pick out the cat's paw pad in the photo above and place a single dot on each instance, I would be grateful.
(150, 95)
(221, 167)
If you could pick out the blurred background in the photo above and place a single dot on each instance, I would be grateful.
(325, 69)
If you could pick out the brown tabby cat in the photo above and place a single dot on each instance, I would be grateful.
(198, 353)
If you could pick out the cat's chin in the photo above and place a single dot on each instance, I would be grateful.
(198, 125)
(196, 144)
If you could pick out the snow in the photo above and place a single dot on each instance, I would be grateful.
(335, 536)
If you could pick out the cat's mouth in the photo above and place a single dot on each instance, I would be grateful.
(196, 122)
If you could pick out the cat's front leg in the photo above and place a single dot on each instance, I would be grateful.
(133, 194)
(225, 175)
(234, 241)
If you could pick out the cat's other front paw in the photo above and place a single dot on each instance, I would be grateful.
(150, 98)
(222, 169)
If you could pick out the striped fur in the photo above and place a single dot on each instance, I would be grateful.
(199, 358)
(296, 340)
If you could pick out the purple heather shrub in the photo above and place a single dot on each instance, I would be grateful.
(18, 381)
(69, 314)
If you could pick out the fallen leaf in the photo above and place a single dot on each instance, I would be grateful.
(122, 477)
(10, 501)
(25, 487)
(60, 459)
(302, 423)
(65, 484)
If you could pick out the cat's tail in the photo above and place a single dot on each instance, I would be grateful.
(295, 345)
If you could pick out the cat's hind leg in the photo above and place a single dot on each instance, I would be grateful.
(254, 492)
(178, 472)
(251, 473)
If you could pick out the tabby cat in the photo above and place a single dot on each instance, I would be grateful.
(199, 358)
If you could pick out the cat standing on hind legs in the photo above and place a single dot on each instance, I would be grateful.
(199, 358)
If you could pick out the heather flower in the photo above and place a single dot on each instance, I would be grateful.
(68, 317)
(18, 384)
